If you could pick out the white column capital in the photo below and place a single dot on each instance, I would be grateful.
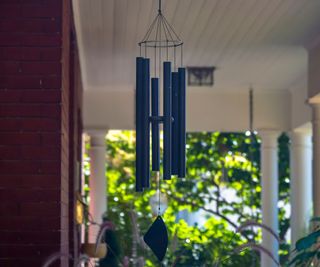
(300, 138)
(97, 137)
(269, 138)
(97, 132)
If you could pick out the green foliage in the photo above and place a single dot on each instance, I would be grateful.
(222, 181)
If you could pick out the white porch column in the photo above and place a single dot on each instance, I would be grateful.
(316, 158)
(301, 184)
(97, 180)
(269, 185)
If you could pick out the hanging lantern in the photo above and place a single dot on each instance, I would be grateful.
(160, 64)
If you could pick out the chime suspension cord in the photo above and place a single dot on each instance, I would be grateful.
(252, 141)
(159, 193)
(251, 158)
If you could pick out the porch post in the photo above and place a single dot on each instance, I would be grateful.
(269, 184)
(316, 158)
(301, 184)
(97, 180)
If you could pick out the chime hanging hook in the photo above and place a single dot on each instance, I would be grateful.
(159, 10)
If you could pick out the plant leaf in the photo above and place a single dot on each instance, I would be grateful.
(302, 257)
(315, 219)
(308, 241)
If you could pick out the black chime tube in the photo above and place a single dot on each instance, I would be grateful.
(175, 124)
(155, 124)
(145, 124)
(139, 144)
(167, 122)
(182, 122)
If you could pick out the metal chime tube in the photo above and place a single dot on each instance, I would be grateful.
(145, 124)
(139, 141)
(167, 120)
(182, 122)
(155, 124)
(175, 124)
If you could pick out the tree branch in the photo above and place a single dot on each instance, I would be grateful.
(192, 203)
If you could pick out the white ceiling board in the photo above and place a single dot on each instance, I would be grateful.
(259, 42)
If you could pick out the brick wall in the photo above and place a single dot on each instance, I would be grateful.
(35, 120)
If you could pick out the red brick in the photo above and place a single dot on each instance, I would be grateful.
(40, 124)
(40, 68)
(28, 39)
(31, 53)
(50, 167)
(10, 125)
(41, 54)
(20, 82)
(52, 82)
(29, 125)
(9, 67)
(10, 39)
(19, 223)
(19, 139)
(30, 181)
(43, 181)
(9, 2)
(40, 209)
(42, 11)
(9, 209)
(30, 25)
(32, 2)
(20, 167)
(30, 110)
(9, 10)
(51, 139)
(26, 251)
(28, 195)
(43, 96)
(29, 237)
(10, 153)
(10, 53)
(9, 96)
(41, 152)
(48, 40)
(15, 261)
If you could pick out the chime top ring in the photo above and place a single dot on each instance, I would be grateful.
(160, 44)
(160, 34)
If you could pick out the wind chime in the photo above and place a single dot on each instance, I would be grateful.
(160, 64)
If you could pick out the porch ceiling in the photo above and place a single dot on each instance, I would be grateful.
(251, 42)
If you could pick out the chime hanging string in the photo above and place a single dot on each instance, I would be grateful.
(174, 58)
(159, 193)
(176, 42)
(251, 158)
(155, 51)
